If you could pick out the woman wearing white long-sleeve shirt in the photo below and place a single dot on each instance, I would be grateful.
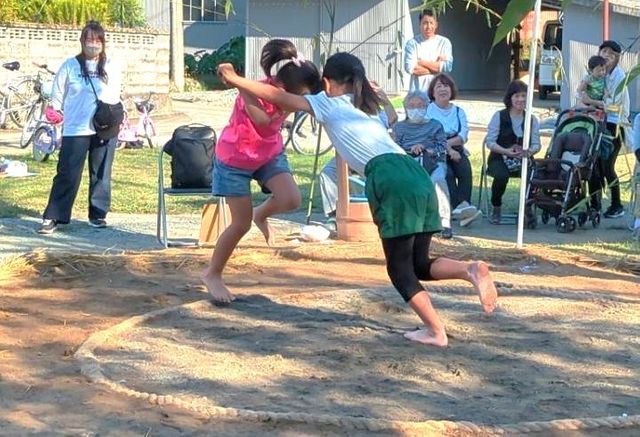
(74, 96)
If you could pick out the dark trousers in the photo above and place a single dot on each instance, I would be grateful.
(408, 262)
(497, 169)
(605, 170)
(459, 180)
(69, 174)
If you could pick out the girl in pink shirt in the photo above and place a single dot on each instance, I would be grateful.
(251, 148)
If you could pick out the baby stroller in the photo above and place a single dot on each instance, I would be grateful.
(559, 183)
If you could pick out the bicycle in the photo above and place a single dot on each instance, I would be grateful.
(17, 96)
(43, 89)
(303, 135)
(146, 129)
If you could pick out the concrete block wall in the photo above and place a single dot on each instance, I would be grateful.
(144, 54)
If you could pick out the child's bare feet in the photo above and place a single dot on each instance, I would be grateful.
(480, 277)
(265, 228)
(426, 336)
(217, 290)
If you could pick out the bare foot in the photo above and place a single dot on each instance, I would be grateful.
(480, 277)
(427, 337)
(266, 230)
(219, 292)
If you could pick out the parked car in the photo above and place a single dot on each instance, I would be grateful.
(550, 68)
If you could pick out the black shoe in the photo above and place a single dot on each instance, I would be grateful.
(614, 212)
(48, 226)
(98, 223)
(446, 233)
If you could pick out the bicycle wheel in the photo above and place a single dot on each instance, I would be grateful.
(21, 98)
(150, 132)
(304, 136)
(31, 123)
(43, 143)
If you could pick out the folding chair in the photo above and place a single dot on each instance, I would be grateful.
(162, 231)
(484, 190)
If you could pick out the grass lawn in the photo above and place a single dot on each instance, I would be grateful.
(135, 185)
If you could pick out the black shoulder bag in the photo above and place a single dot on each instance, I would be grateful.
(107, 118)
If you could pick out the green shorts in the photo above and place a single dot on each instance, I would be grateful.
(401, 196)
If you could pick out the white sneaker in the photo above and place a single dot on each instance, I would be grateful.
(467, 221)
(464, 211)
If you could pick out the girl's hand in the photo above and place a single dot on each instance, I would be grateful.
(225, 71)
(455, 155)
(379, 91)
(417, 149)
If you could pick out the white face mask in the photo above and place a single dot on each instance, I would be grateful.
(416, 115)
(92, 50)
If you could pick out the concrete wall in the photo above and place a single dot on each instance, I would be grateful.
(582, 34)
(144, 56)
(471, 38)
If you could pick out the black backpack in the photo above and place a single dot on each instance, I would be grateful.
(192, 148)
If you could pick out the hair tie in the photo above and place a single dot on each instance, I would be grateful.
(298, 60)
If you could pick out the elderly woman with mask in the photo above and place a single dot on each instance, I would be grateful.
(79, 83)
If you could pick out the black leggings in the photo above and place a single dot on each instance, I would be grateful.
(408, 262)
(459, 179)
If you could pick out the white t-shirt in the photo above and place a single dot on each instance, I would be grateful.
(73, 95)
(358, 137)
(453, 119)
(427, 50)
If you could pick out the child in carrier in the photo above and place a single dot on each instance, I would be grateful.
(425, 138)
(251, 148)
(592, 90)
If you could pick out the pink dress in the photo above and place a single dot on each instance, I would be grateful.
(244, 145)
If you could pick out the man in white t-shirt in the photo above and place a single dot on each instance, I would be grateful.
(427, 54)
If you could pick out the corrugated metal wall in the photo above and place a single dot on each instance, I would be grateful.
(578, 46)
(368, 28)
(158, 13)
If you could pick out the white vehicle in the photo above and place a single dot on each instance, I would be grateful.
(550, 68)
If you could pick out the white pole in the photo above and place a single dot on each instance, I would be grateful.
(526, 141)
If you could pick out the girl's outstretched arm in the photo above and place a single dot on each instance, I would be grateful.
(282, 99)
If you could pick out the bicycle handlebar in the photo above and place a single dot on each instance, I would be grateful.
(44, 67)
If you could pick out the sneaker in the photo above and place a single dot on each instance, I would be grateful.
(614, 212)
(98, 223)
(446, 233)
(496, 215)
(467, 221)
(48, 226)
(463, 210)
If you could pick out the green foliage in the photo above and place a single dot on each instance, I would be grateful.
(125, 13)
(204, 69)
(231, 51)
(512, 17)
(9, 11)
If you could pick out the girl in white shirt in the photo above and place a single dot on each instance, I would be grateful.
(399, 191)
(73, 96)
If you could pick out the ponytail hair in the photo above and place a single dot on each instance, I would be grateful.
(345, 68)
(98, 31)
(294, 72)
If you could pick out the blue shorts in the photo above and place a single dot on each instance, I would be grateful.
(234, 182)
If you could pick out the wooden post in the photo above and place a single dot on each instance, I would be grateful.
(176, 45)
(353, 219)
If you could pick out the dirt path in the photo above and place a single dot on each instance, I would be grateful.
(51, 307)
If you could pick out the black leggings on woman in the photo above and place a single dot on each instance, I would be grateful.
(408, 262)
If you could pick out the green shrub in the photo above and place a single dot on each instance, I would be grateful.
(9, 11)
(204, 69)
(124, 13)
